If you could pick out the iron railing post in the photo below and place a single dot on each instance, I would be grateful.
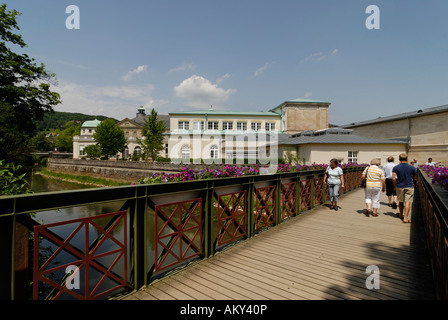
(208, 220)
(250, 208)
(7, 226)
(138, 240)
(278, 200)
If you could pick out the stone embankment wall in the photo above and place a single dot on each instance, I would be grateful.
(128, 171)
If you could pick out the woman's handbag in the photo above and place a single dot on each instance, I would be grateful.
(364, 181)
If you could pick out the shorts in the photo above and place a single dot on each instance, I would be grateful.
(390, 188)
(405, 194)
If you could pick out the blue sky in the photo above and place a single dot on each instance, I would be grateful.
(241, 55)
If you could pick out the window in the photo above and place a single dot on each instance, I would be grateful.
(81, 150)
(352, 156)
(227, 125)
(166, 150)
(183, 125)
(214, 152)
(270, 126)
(138, 150)
(198, 125)
(185, 152)
(213, 125)
(241, 125)
(256, 126)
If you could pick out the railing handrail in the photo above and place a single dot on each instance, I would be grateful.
(12, 204)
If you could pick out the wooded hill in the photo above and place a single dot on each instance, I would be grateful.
(57, 120)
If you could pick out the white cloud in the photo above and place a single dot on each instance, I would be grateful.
(223, 77)
(308, 94)
(132, 73)
(319, 56)
(117, 102)
(262, 69)
(200, 92)
(183, 67)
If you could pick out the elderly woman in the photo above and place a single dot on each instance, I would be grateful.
(334, 179)
(376, 183)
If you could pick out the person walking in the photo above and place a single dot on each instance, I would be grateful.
(375, 184)
(390, 188)
(334, 179)
(403, 177)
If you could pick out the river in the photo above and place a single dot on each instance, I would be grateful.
(39, 184)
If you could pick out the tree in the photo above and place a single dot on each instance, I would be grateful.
(41, 143)
(109, 137)
(93, 151)
(25, 94)
(64, 141)
(153, 136)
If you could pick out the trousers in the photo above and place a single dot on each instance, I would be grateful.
(333, 190)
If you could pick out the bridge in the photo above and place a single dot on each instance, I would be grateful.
(250, 237)
(322, 254)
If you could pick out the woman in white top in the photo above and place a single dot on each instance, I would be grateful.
(335, 180)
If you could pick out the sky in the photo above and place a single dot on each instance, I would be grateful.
(240, 55)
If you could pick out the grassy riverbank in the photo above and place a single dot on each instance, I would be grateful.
(98, 182)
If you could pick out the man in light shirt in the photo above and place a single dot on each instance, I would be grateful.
(390, 189)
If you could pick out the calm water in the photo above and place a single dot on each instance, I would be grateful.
(46, 248)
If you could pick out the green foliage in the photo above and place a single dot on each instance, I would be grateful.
(153, 132)
(11, 182)
(93, 151)
(41, 143)
(25, 94)
(110, 138)
(57, 120)
(64, 141)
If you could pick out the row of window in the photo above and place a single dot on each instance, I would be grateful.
(226, 125)
(214, 152)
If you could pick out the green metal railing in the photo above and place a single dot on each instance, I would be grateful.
(194, 220)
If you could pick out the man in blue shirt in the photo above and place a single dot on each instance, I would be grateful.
(403, 176)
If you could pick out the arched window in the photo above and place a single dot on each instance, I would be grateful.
(185, 152)
(214, 152)
(138, 150)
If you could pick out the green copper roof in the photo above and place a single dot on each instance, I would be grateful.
(91, 123)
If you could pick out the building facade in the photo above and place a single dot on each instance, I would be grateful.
(132, 129)
(425, 132)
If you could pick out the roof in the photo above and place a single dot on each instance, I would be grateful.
(140, 119)
(333, 136)
(222, 113)
(91, 123)
(302, 101)
(400, 116)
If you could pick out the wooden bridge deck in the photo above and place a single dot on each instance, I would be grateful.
(320, 255)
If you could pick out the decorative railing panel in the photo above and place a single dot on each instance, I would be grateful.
(232, 217)
(178, 232)
(264, 207)
(84, 259)
(288, 199)
(305, 194)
